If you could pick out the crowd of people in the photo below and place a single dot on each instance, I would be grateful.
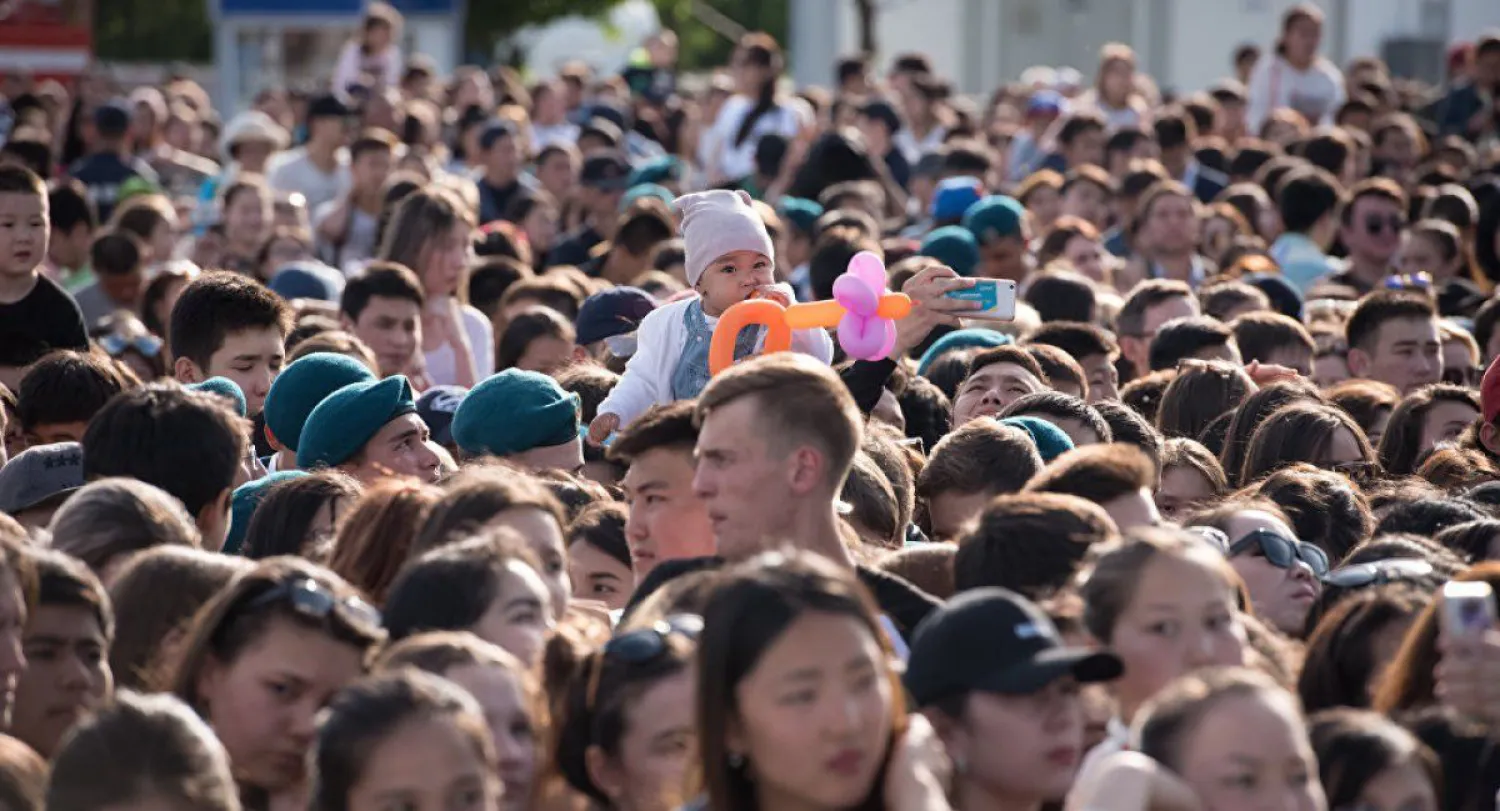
(363, 450)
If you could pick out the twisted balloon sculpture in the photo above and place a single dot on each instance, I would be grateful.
(864, 313)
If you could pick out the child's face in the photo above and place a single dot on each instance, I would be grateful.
(732, 277)
(23, 233)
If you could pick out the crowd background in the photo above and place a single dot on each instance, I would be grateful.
(360, 450)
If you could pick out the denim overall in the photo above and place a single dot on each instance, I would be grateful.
(691, 374)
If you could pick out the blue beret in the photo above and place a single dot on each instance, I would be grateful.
(302, 385)
(1050, 440)
(310, 280)
(802, 213)
(961, 339)
(243, 502)
(954, 196)
(642, 190)
(347, 419)
(954, 246)
(513, 412)
(227, 389)
(665, 169)
(994, 217)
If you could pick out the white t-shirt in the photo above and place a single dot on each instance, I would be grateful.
(442, 364)
(1316, 93)
(543, 136)
(731, 162)
(296, 172)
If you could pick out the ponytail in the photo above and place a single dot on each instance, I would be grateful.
(760, 49)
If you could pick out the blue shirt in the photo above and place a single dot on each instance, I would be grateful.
(1302, 262)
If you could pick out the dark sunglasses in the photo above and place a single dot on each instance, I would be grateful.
(1380, 572)
(1376, 224)
(309, 598)
(643, 645)
(1281, 552)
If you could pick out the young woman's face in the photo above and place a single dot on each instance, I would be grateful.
(1280, 596)
(1252, 752)
(425, 764)
(521, 615)
(731, 278)
(1403, 787)
(598, 576)
(1182, 617)
(1182, 488)
(545, 538)
(508, 714)
(656, 746)
(1419, 254)
(814, 715)
(263, 705)
(247, 217)
(1445, 421)
(445, 260)
(1302, 39)
(12, 627)
(378, 37)
(1043, 732)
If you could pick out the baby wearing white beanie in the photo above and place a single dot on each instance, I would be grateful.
(730, 258)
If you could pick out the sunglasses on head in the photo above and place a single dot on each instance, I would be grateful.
(148, 345)
(643, 645)
(308, 598)
(1380, 572)
(1376, 224)
(1421, 280)
(1281, 552)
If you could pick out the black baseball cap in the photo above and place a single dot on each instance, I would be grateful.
(992, 640)
(606, 170)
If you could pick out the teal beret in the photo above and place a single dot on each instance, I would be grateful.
(349, 418)
(642, 190)
(954, 246)
(225, 388)
(513, 412)
(665, 169)
(802, 213)
(302, 385)
(243, 502)
(1050, 440)
(993, 218)
(961, 339)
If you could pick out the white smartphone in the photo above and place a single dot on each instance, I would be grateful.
(997, 299)
(1468, 609)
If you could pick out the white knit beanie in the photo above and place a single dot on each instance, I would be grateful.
(718, 222)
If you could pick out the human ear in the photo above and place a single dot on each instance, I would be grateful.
(186, 371)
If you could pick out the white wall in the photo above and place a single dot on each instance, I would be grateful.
(1203, 34)
(932, 26)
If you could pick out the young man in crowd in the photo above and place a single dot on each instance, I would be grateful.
(1150, 305)
(371, 431)
(62, 392)
(524, 417)
(1175, 136)
(1117, 477)
(347, 227)
(188, 443)
(1372, 225)
(502, 183)
(604, 179)
(667, 519)
(383, 308)
(300, 387)
(1193, 337)
(1000, 225)
(1272, 338)
(72, 235)
(36, 316)
(970, 466)
(1394, 338)
(38, 480)
(116, 258)
(67, 643)
(997, 377)
(319, 169)
(777, 436)
(1030, 543)
(1310, 204)
(109, 163)
(225, 325)
(1094, 349)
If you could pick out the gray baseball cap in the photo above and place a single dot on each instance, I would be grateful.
(40, 473)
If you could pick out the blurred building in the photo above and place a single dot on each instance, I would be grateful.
(1185, 44)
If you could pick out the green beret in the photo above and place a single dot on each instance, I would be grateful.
(802, 213)
(513, 412)
(954, 246)
(643, 190)
(961, 339)
(302, 385)
(347, 419)
(1050, 441)
(665, 169)
(226, 389)
(243, 502)
(993, 218)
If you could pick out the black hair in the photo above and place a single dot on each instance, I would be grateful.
(927, 411)
(69, 206)
(526, 328)
(1427, 517)
(451, 587)
(1030, 543)
(1183, 338)
(602, 526)
(67, 386)
(217, 305)
(280, 524)
(116, 253)
(1058, 405)
(1306, 196)
(1128, 426)
(63, 580)
(1079, 339)
(383, 280)
(1062, 296)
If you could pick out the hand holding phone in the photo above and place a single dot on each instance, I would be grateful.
(996, 297)
(1468, 610)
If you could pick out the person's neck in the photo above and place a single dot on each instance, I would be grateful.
(284, 459)
(1175, 266)
(815, 526)
(499, 180)
(116, 148)
(971, 795)
(1369, 271)
(15, 287)
(1177, 165)
(369, 201)
(1301, 64)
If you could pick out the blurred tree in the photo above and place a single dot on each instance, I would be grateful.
(153, 31)
(493, 20)
(707, 29)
